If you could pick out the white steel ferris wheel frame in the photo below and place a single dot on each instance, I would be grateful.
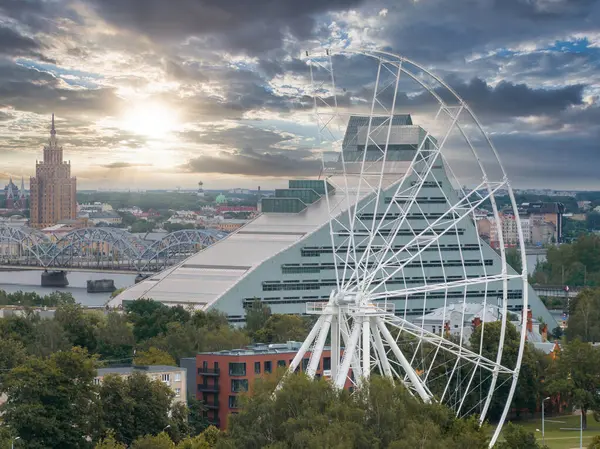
(357, 318)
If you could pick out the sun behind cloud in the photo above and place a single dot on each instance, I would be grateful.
(150, 119)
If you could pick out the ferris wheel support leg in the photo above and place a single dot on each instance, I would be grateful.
(306, 345)
(349, 352)
(414, 379)
(355, 363)
(382, 356)
(366, 348)
(335, 345)
(315, 357)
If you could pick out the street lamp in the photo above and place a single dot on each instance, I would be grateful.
(543, 400)
(13, 442)
(581, 427)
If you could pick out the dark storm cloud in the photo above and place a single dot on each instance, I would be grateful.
(546, 9)
(443, 32)
(254, 26)
(34, 91)
(247, 162)
(236, 137)
(517, 100)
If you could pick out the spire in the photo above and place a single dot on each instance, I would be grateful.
(52, 130)
(9, 192)
(22, 192)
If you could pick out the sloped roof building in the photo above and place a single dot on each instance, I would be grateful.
(284, 256)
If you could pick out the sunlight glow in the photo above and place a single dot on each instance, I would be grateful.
(150, 119)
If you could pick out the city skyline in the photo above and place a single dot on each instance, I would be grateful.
(202, 92)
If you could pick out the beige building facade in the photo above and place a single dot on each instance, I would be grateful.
(52, 190)
(172, 376)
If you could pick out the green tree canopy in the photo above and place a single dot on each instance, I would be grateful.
(313, 414)
(576, 376)
(153, 356)
(52, 402)
(135, 406)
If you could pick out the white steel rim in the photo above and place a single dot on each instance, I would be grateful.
(358, 316)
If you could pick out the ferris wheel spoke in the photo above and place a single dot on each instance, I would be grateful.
(428, 288)
(458, 350)
(428, 236)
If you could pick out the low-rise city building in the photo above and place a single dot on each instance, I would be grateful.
(220, 378)
(174, 377)
(108, 217)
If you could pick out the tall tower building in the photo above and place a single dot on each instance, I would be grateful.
(52, 190)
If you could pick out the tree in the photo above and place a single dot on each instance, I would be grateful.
(52, 402)
(576, 376)
(114, 338)
(516, 437)
(48, 337)
(12, 354)
(160, 441)
(151, 318)
(314, 414)
(256, 316)
(584, 316)
(110, 443)
(595, 443)
(513, 258)
(557, 333)
(196, 420)
(281, 328)
(153, 356)
(78, 325)
(179, 426)
(135, 406)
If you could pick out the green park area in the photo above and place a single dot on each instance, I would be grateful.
(562, 432)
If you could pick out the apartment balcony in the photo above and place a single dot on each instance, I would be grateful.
(214, 406)
(209, 371)
(208, 388)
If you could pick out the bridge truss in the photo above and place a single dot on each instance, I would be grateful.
(100, 248)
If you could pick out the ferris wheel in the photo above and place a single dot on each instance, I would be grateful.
(417, 200)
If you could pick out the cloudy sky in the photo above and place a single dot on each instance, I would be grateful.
(159, 94)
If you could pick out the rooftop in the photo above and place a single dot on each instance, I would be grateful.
(291, 347)
(124, 370)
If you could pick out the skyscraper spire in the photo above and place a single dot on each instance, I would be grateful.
(52, 130)
(22, 192)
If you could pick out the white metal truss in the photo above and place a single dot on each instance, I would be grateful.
(100, 248)
(376, 198)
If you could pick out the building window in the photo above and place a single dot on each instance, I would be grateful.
(237, 369)
(97, 381)
(177, 377)
(239, 385)
(304, 364)
(268, 367)
(256, 367)
(177, 392)
(233, 402)
(327, 363)
(165, 377)
(280, 362)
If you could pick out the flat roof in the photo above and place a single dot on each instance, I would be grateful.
(122, 370)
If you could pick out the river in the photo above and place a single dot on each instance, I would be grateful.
(29, 281)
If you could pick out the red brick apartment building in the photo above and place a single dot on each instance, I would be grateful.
(219, 378)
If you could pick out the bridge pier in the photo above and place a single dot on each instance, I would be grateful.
(54, 278)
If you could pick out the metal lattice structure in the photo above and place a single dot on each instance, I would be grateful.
(383, 223)
(18, 242)
(100, 248)
(175, 247)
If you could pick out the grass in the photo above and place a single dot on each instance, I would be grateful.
(562, 439)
